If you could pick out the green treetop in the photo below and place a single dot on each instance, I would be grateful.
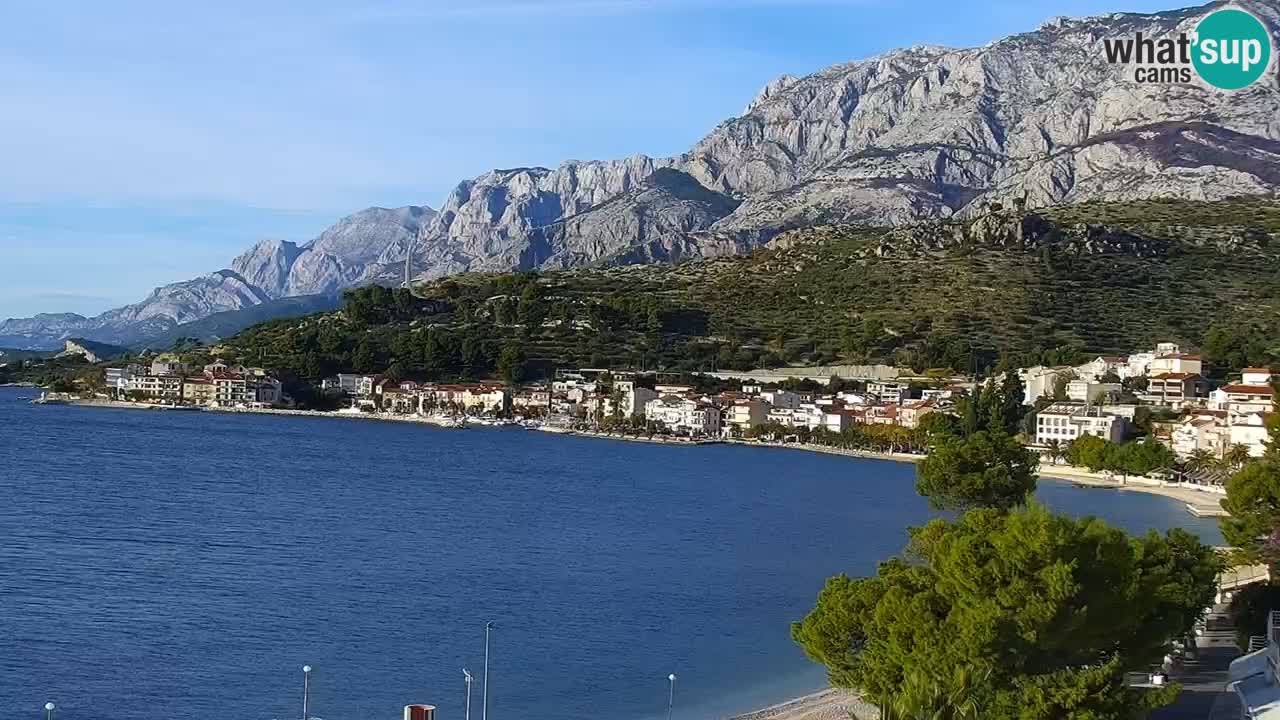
(1020, 614)
(985, 469)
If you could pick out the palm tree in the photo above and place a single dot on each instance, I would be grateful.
(1199, 460)
(925, 696)
(1056, 450)
(1237, 456)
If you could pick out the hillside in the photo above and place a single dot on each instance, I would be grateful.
(1031, 286)
(225, 324)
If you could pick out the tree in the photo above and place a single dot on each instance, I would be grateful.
(511, 364)
(986, 469)
(1199, 460)
(1236, 456)
(1253, 504)
(1055, 450)
(1249, 609)
(1041, 614)
(1088, 451)
(937, 426)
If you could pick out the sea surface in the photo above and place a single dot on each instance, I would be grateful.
(162, 564)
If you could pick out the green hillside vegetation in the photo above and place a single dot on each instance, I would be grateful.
(1052, 287)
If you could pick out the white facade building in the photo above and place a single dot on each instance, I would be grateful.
(1065, 422)
(682, 415)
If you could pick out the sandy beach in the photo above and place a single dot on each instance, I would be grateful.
(830, 704)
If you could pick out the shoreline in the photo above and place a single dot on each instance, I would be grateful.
(1200, 501)
(829, 704)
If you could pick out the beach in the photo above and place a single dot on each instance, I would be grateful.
(829, 704)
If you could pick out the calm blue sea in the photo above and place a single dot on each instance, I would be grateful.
(156, 565)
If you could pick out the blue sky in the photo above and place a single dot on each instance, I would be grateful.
(149, 142)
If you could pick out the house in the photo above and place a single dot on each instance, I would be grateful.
(1256, 376)
(633, 397)
(117, 379)
(1102, 366)
(1241, 398)
(197, 390)
(747, 413)
(1088, 391)
(1066, 421)
(230, 390)
(909, 415)
(467, 397)
(398, 397)
(167, 367)
(1040, 381)
(156, 387)
(1177, 362)
(684, 416)
(890, 393)
(837, 421)
(1200, 432)
(1249, 430)
(533, 397)
(364, 385)
(1175, 389)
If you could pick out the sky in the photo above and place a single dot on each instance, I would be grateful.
(143, 143)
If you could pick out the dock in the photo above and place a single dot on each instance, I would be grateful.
(1206, 511)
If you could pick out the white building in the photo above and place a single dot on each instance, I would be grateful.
(889, 393)
(1087, 391)
(1200, 432)
(1249, 430)
(1240, 398)
(684, 416)
(1040, 381)
(1103, 365)
(1065, 422)
(1177, 362)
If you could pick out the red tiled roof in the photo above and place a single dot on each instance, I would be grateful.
(1258, 370)
(1249, 389)
(1178, 356)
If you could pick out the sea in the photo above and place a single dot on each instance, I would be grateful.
(165, 564)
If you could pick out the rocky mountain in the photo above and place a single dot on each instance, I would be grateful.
(1039, 118)
(273, 269)
(1033, 120)
(89, 350)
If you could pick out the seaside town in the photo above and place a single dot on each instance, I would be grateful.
(1157, 396)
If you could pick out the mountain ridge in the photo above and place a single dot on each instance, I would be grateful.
(1038, 118)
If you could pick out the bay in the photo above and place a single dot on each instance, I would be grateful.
(156, 564)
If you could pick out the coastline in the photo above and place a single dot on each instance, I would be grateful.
(829, 704)
(1200, 501)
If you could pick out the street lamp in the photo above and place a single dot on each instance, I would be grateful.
(484, 708)
(306, 692)
(671, 698)
(48, 711)
(466, 677)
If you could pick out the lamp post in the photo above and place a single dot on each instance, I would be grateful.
(48, 710)
(671, 697)
(466, 677)
(484, 707)
(306, 692)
